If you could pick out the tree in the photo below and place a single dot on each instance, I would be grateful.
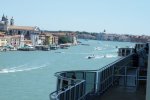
(64, 39)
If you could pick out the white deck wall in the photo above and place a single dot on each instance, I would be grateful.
(148, 77)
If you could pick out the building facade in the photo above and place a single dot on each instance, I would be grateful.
(30, 33)
(13, 41)
(3, 41)
(48, 39)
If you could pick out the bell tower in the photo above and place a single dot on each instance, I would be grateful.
(6, 21)
(12, 21)
(3, 18)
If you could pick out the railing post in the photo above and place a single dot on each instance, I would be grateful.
(148, 76)
(125, 77)
(96, 82)
(74, 92)
(112, 75)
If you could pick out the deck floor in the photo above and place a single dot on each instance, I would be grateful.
(122, 93)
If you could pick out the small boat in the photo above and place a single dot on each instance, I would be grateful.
(85, 44)
(54, 47)
(91, 57)
(59, 52)
(98, 48)
(27, 48)
(45, 48)
(63, 47)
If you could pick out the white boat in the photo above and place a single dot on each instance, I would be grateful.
(98, 48)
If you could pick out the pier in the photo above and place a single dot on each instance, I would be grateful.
(123, 79)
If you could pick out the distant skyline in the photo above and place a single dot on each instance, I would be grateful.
(115, 16)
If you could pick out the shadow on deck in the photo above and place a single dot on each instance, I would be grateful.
(122, 93)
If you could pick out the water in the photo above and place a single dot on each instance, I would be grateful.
(30, 75)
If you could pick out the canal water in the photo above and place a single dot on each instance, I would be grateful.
(29, 75)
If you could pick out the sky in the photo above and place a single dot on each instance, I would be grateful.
(115, 16)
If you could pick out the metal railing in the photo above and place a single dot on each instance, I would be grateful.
(79, 84)
(86, 81)
(74, 88)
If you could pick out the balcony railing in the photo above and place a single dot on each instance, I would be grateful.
(80, 84)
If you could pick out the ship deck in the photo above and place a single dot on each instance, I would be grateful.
(122, 93)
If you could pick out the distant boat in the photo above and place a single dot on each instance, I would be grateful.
(54, 47)
(65, 46)
(58, 52)
(46, 48)
(98, 48)
(91, 57)
(27, 48)
(85, 44)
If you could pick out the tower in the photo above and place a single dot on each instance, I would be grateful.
(3, 18)
(12, 21)
(6, 21)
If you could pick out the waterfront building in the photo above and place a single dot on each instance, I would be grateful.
(106, 36)
(13, 41)
(3, 41)
(9, 40)
(41, 39)
(73, 38)
(55, 40)
(57, 34)
(22, 42)
(27, 42)
(29, 32)
(2, 34)
(71, 35)
(123, 38)
(100, 36)
(48, 39)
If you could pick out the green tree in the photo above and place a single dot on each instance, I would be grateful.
(64, 39)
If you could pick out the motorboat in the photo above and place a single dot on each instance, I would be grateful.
(27, 48)
(91, 57)
(98, 48)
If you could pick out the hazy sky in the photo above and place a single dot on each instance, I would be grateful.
(117, 16)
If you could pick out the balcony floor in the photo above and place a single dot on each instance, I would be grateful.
(122, 93)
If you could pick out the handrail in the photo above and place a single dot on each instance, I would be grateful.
(57, 74)
(63, 89)
(80, 81)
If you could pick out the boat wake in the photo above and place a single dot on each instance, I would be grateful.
(80, 53)
(110, 56)
(101, 56)
(21, 68)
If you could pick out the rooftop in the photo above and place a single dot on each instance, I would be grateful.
(29, 28)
